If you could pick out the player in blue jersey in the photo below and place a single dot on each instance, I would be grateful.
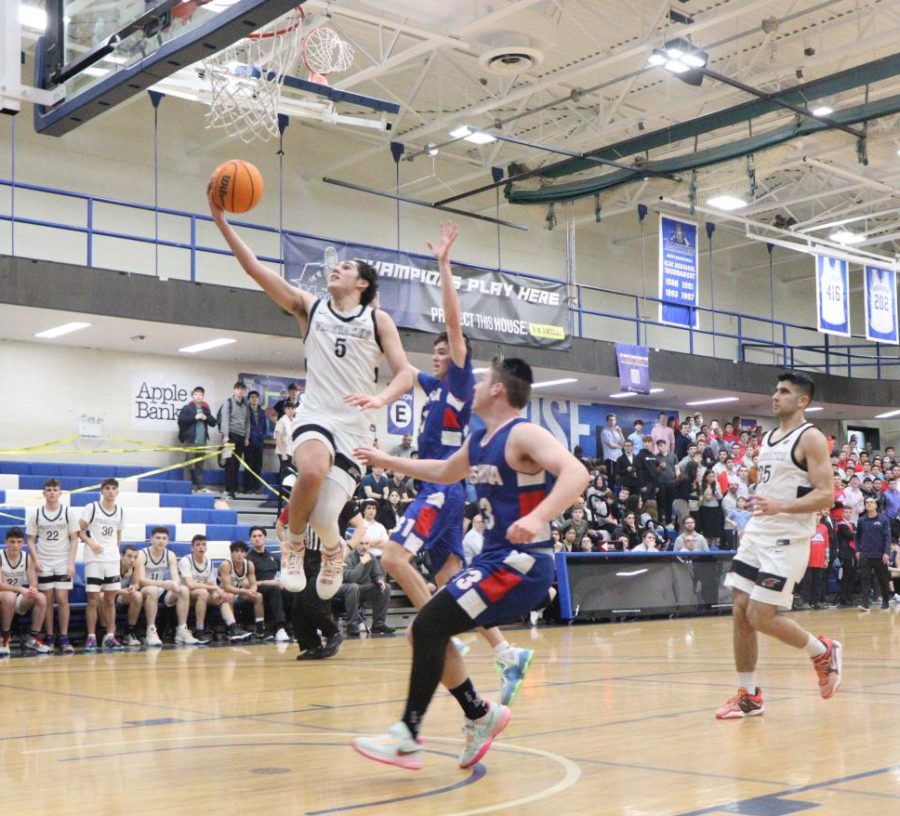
(434, 521)
(524, 479)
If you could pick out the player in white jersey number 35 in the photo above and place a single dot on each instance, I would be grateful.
(794, 483)
(344, 337)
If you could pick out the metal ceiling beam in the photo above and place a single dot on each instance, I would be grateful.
(875, 71)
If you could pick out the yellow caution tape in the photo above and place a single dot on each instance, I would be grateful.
(154, 472)
(41, 446)
(7, 515)
(255, 475)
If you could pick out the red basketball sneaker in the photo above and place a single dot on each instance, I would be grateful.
(828, 667)
(743, 704)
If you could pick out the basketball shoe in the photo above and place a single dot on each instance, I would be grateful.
(743, 704)
(480, 733)
(828, 667)
(513, 667)
(152, 638)
(396, 747)
(331, 573)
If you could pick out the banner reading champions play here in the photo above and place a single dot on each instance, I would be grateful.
(496, 306)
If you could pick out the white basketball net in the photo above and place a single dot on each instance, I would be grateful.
(324, 52)
(246, 79)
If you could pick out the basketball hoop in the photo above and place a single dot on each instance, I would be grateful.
(246, 79)
(324, 53)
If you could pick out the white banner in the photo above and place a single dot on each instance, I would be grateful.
(881, 305)
(832, 295)
(156, 397)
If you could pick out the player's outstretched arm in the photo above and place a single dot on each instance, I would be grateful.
(288, 297)
(393, 350)
(449, 295)
(443, 471)
(530, 449)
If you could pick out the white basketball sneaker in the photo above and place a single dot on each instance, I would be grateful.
(152, 637)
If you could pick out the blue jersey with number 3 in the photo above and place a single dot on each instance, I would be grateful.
(504, 495)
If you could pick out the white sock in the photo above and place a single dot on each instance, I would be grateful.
(814, 647)
(500, 649)
(297, 538)
(747, 680)
(181, 627)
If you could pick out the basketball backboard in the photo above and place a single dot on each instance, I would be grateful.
(101, 52)
(95, 54)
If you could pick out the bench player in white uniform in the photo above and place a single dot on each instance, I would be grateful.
(101, 526)
(237, 578)
(794, 483)
(344, 338)
(156, 573)
(199, 574)
(53, 543)
(19, 593)
(129, 595)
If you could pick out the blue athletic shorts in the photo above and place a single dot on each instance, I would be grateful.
(434, 520)
(502, 586)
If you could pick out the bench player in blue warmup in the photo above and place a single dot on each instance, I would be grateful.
(434, 521)
(524, 479)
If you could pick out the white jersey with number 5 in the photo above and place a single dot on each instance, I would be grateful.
(103, 528)
(342, 352)
(782, 478)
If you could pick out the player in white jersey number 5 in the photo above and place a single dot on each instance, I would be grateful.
(794, 483)
(344, 337)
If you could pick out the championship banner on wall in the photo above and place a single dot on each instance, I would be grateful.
(832, 296)
(496, 306)
(400, 415)
(156, 397)
(679, 273)
(634, 368)
(881, 305)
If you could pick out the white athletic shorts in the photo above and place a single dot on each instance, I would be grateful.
(345, 469)
(54, 576)
(102, 576)
(768, 569)
(162, 595)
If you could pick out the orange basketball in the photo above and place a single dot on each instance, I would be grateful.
(237, 186)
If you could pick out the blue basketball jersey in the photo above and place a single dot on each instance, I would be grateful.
(504, 494)
(446, 413)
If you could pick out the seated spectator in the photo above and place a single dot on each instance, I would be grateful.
(374, 485)
(19, 593)
(404, 449)
(364, 582)
(156, 573)
(627, 535)
(375, 533)
(474, 539)
(198, 574)
(390, 513)
(404, 486)
(577, 522)
(690, 539)
(267, 566)
(129, 596)
(237, 579)
(568, 540)
(587, 544)
(649, 542)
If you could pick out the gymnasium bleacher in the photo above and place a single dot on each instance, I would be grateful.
(162, 500)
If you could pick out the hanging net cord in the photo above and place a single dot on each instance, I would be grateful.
(246, 79)
(324, 52)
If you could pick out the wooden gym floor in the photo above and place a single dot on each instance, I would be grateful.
(614, 719)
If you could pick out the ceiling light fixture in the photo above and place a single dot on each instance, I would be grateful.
(59, 331)
(728, 203)
(431, 149)
(623, 394)
(474, 136)
(887, 415)
(713, 401)
(822, 110)
(845, 236)
(817, 408)
(681, 57)
(548, 383)
(207, 345)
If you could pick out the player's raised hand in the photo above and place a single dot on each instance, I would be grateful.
(525, 529)
(214, 207)
(364, 402)
(441, 249)
(370, 455)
